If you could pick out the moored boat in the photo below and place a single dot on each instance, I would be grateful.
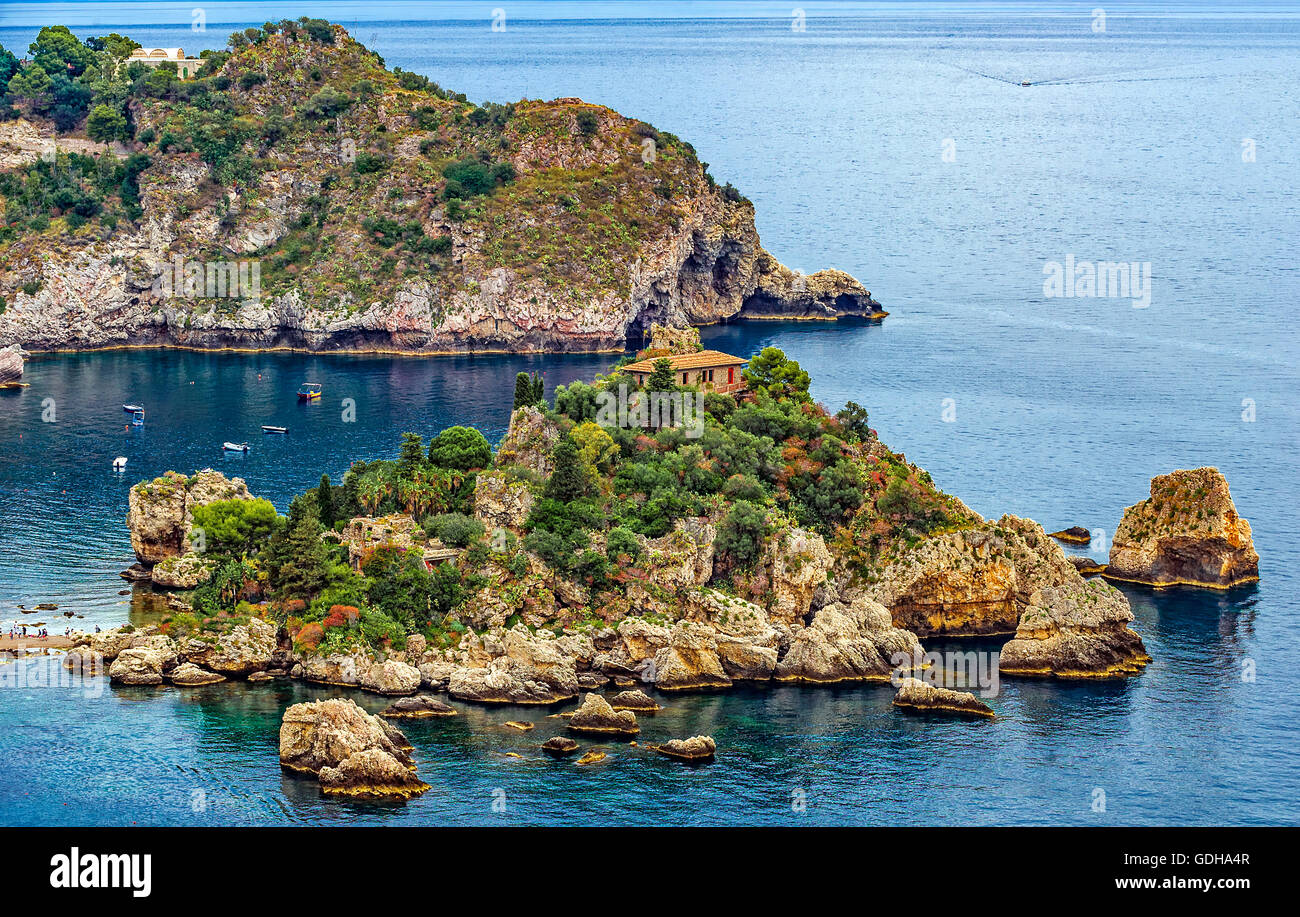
(235, 447)
(267, 428)
(309, 391)
(132, 408)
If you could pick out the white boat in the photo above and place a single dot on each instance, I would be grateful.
(119, 463)
(235, 447)
(267, 428)
(132, 408)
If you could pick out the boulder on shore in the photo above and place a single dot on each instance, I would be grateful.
(857, 642)
(245, 649)
(916, 695)
(1187, 533)
(1076, 633)
(597, 717)
(144, 662)
(696, 748)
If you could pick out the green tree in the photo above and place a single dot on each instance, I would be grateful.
(772, 372)
(57, 50)
(523, 392)
(325, 502)
(741, 534)
(662, 378)
(539, 389)
(105, 124)
(411, 455)
(570, 480)
(235, 526)
(460, 448)
(853, 418)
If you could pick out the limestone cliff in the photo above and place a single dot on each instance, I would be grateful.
(381, 213)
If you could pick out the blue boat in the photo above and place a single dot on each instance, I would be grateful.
(137, 418)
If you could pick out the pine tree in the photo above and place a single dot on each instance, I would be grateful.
(412, 455)
(539, 389)
(569, 480)
(325, 502)
(662, 378)
(523, 391)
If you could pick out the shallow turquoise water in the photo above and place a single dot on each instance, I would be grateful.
(1064, 410)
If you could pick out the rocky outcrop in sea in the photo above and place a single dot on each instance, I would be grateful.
(351, 752)
(1187, 533)
(161, 514)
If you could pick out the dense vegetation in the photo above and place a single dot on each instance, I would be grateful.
(385, 168)
(766, 461)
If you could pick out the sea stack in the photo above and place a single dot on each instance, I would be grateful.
(1075, 632)
(1187, 533)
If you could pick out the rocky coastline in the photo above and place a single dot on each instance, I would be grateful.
(412, 221)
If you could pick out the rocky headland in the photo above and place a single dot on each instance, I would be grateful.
(382, 213)
(1187, 533)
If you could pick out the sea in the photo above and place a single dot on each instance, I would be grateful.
(953, 157)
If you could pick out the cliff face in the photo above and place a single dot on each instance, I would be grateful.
(403, 218)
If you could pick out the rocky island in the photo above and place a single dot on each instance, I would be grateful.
(782, 544)
(297, 193)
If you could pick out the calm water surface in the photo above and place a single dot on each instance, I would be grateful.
(1064, 409)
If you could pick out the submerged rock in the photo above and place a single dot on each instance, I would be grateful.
(916, 695)
(559, 746)
(1187, 533)
(636, 701)
(1078, 632)
(696, 748)
(597, 717)
(410, 708)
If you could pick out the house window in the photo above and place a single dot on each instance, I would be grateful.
(684, 379)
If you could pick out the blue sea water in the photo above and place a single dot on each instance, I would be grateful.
(1129, 146)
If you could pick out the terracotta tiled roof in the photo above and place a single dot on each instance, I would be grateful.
(704, 359)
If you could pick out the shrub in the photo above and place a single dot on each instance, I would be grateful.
(461, 448)
(454, 529)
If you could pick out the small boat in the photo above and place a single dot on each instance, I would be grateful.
(308, 391)
(267, 428)
(137, 419)
(132, 408)
(235, 447)
(119, 463)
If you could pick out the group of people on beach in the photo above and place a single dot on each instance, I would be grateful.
(20, 630)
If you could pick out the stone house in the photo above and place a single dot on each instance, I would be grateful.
(186, 67)
(711, 370)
